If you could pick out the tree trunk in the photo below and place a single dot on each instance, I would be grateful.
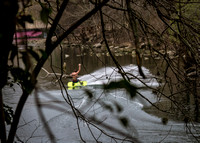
(8, 11)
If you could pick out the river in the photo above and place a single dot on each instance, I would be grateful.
(109, 107)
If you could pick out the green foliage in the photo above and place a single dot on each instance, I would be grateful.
(122, 84)
(44, 54)
(190, 10)
(44, 13)
(186, 20)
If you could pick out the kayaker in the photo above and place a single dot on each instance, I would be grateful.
(74, 74)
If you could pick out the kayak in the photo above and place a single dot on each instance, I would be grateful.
(76, 85)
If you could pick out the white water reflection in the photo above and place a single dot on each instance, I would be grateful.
(108, 74)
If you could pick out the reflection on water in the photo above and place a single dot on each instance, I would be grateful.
(91, 61)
